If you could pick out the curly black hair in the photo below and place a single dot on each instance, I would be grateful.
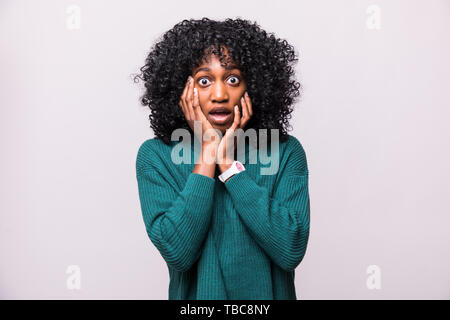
(265, 61)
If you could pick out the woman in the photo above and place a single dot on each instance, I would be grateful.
(225, 230)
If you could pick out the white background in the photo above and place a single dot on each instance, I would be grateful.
(373, 120)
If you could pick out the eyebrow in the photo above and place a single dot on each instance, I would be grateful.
(228, 67)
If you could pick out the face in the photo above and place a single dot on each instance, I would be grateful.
(220, 89)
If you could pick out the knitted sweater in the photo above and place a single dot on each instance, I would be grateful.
(237, 240)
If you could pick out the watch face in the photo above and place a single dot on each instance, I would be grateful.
(239, 166)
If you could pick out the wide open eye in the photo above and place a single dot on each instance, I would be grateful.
(204, 81)
(233, 80)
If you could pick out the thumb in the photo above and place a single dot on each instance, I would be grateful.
(237, 118)
(196, 105)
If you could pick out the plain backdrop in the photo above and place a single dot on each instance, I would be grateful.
(373, 120)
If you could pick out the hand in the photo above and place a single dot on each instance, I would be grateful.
(225, 151)
(247, 110)
(190, 104)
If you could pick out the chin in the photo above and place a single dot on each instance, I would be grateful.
(222, 128)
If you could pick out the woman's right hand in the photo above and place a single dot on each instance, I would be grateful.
(190, 104)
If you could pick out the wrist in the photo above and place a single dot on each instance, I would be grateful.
(235, 168)
(210, 146)
(224, 166)
(207, 155)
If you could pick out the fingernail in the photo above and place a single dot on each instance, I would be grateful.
(246, 93)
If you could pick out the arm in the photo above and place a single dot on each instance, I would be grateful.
(279, 224)
(176, 221)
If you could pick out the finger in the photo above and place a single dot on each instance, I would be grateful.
(188, 99)
(237, 118)
(249, 104)
(183, 97)
(196, 101)
(245, 113)
(196, 107)
(230, 131)
(180, 103)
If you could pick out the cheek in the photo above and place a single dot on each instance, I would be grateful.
(202, 100)
(237, 98)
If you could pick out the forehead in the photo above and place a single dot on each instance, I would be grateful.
(212, 62)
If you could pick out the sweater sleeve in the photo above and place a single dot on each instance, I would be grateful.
(176, 221)
(278, 223)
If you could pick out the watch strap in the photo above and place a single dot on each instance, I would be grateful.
(236, 167)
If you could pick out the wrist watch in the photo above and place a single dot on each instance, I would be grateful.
(236, 167)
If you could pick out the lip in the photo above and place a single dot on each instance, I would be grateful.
(220, 119)
(220, 109)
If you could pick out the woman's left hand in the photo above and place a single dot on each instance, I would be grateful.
(225, 154)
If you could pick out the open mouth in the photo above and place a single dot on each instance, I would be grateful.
(220, 115)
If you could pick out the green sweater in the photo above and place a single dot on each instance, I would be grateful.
(238, 240)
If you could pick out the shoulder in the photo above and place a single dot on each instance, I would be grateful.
(150, 152)
(294, 145)
(152, 144)
(295, 153)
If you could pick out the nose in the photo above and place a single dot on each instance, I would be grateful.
(219, 92)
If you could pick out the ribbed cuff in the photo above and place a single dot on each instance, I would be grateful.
(241, 186)
(200, 184)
